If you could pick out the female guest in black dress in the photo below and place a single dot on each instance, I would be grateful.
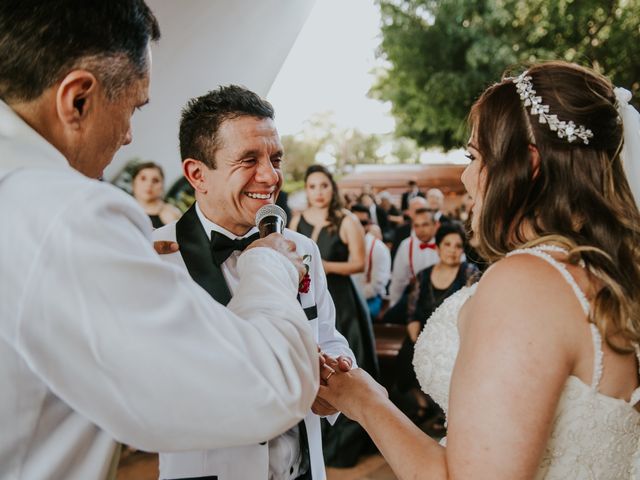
(340, 238)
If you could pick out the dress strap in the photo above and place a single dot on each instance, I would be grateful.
(541, 252)
(597, 357)
(635, 396)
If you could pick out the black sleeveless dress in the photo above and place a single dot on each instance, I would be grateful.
(155, 221)
(345, 441)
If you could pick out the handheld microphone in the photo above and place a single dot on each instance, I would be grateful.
(270, 219)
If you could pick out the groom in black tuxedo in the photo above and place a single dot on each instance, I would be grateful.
(232, 155)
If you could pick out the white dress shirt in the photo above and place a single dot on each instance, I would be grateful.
(410, 259)
(373, 213)
(102, 340)
(284, 450)
(377, 268)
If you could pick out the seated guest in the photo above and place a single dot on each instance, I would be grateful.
(148, 189)
(231, 154)
(377, 267)
(404, 230)
(414, 254)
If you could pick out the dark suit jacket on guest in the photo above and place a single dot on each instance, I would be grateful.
(400, 233)
(405, 199)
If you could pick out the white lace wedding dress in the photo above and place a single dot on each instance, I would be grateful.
(593, 437)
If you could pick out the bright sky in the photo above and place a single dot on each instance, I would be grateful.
(330, 69)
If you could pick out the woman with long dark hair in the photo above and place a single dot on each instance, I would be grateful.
(340, 238)
(536, 366)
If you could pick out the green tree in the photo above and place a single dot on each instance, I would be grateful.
(320, 135)
(299, 153)
(442, 53)
(352, 147)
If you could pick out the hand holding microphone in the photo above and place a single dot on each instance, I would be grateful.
(271, 221)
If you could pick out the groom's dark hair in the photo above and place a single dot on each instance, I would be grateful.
(202, 117)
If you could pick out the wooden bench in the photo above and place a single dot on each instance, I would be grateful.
(389, 338)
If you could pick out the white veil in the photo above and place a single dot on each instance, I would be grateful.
(630, 154)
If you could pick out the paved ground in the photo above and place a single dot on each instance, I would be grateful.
(144, 466)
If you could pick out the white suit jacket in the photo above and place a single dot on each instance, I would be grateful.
(252, 461)
(102, 340)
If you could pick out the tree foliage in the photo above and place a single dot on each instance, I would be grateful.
(441, 54)
(321, 141)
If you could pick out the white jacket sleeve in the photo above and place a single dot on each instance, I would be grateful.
(135, 345)
(401, 274)
(380, 271)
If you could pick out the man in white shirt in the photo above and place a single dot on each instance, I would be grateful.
(377, 267)
(231, 155)
(415, 253)
(99, 338)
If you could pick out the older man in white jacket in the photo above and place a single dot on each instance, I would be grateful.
(99, 338)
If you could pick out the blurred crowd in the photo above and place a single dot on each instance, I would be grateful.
(405, 255)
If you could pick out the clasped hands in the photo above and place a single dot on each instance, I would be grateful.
(328, 367)
(345, 390)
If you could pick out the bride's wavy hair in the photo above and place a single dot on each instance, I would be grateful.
(578, 195)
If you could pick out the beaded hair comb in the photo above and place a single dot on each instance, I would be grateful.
(568, 130)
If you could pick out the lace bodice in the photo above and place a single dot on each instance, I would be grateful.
(593, 436)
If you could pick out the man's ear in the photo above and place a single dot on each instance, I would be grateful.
(75, 97)
(535, 160)
(195, 172)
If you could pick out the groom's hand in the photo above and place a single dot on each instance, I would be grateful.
(162, 247)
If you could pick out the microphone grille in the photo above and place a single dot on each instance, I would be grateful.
(269, 211)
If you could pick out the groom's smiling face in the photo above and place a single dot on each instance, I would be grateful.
(247, 175)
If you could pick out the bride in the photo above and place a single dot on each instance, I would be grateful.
(536, 366)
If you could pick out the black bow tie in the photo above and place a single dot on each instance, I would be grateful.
(222, 246)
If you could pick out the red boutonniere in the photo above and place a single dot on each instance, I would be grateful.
(305, 283)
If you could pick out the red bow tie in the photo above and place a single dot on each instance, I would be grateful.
(424, 245)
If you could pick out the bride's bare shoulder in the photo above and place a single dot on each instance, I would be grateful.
(521, 275)
(524, 295)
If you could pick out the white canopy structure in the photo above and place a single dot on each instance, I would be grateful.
(206, 43)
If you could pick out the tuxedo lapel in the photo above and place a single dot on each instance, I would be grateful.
(196, 252)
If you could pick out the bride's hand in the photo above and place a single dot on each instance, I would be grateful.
(352, 392)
